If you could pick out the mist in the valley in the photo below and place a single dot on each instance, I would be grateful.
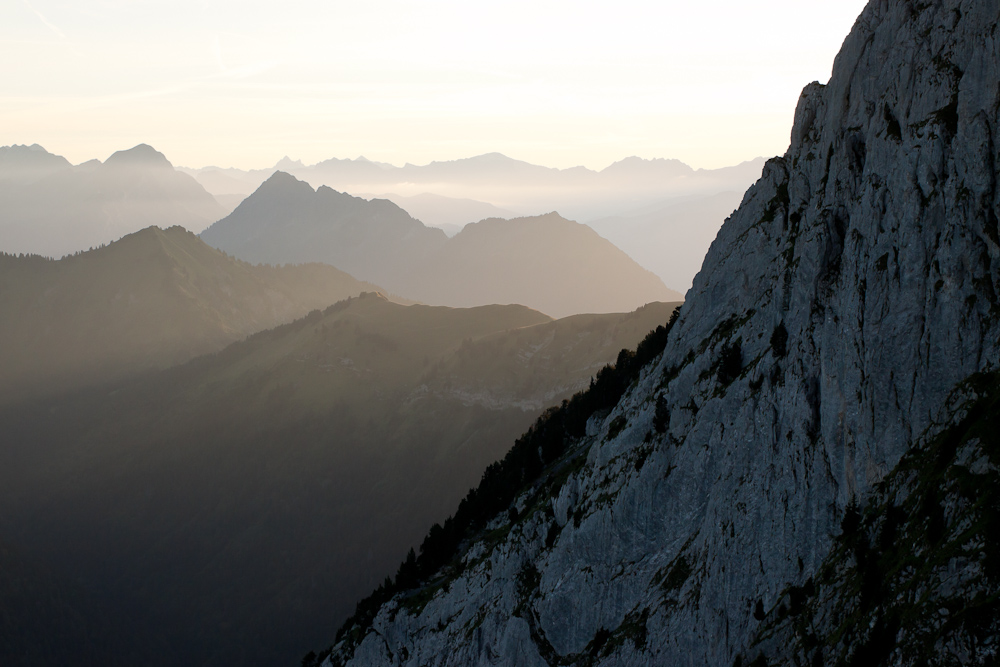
(231, 401)
(52, 208)
(239, 434)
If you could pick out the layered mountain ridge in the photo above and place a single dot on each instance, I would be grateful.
(853, 291)
(152, 299)
(578, 192)
(544, 262)
(49, 207)
(665, 197)
(213, 513)
(286, 221)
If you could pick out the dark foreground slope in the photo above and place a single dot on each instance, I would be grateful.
(820, 348)
(230, 510)
(544, 262)
(150, 300)
(47, 619)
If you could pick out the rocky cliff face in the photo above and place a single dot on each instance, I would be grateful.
(838, 308)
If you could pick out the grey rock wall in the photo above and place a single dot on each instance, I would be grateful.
(874, 242)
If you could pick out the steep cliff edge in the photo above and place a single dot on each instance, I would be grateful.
(836, 312)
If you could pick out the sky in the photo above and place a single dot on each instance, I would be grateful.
(553, 82)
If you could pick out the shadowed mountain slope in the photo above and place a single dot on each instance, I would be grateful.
(914, 575)
(153, 299)
(547, 263)
(225, 509)
(53, 210)
(49, 620)
(805, 475)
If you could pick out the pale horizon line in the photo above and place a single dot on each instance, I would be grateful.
(362, 158)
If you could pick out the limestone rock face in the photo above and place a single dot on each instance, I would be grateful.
(855, 286)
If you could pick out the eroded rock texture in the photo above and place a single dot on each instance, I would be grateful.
(855, 287)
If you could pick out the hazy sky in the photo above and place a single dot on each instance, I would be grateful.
(242, 83)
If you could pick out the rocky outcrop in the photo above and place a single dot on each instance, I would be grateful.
(852, 291)
(913, 576)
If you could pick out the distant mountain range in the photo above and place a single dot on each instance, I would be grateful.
(230, 510)
(27, 164)
(153, 299)
(49, 207)
(53, 208)
(663, 213)
(578, 193)
(546, 262)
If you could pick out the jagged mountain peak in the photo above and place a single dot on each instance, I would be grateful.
(22, 149)
(282, 181)
(284, 189)
(286, 163)
(286, 221)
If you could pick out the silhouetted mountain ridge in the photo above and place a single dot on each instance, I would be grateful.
(545, 262)
(286, 221)
(57, 210)
(556, 265)
(152, 299)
